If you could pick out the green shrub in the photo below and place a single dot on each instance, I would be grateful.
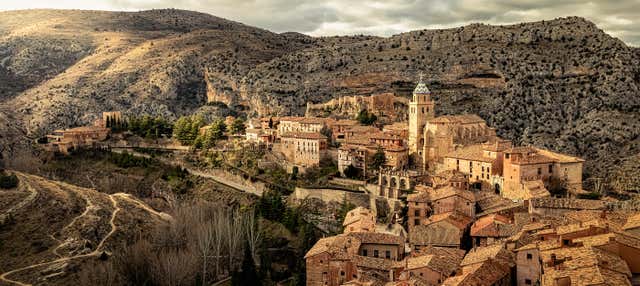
(8, 181)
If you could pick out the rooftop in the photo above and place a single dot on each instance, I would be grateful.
(304, 135)
(457, 119)
(472, 153)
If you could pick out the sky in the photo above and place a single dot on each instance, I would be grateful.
(619, 18)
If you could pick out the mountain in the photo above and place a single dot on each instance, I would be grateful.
(562, 84)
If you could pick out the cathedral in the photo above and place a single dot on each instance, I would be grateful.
(431, 137)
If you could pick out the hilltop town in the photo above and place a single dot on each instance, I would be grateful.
(432, 200)
(171, 147)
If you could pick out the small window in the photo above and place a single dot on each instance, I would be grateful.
(529, 256)
(364, 252)
(527, 281)
(387, 254)
(342, 273)
(417, 213)
(539, 171)
(550, 168)
(506, 156)
(375, 253)
(416, 222)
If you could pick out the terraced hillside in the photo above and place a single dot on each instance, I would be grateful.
(51, 230)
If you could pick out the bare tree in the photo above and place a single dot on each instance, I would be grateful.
(252, 230)
(234, 231)
(174, 268)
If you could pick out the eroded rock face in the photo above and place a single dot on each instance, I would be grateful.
(561, 84)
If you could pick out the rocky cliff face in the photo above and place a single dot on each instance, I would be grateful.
(562, 84)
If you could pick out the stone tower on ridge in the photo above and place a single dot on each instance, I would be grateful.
(421, 109)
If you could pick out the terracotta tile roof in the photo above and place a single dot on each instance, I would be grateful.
(456, 219)
(576, 227)
(607, 238)
(378, 238)
(471, 152)
(449, 191)
(585, 266)
(304, 135)
(339, 247)
(535, 189)
(373, 262)
(558, 157)
(486, 273)
(420, 197)
(633, 222)
(460, 119)
(493, 225)
(436, 234)
(358, 214)
(495, 252)
(564, 203)
(441, 262)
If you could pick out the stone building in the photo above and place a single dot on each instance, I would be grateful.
(490, 265)
(304, 149)
(300, 125)
(491, 229)
(431, 137)
(359, 220)
(66, 140)
(430, 201)
(359, 152)
(559, 206)
(528, 265)
(482, 163)
(522, 164)
(442, 230)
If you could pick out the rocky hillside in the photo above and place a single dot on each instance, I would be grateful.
(562, 84)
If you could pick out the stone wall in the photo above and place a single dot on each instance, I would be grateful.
(328, 195)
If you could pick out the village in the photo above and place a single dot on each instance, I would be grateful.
(437, 200)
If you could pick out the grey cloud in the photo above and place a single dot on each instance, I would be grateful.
(619, 18)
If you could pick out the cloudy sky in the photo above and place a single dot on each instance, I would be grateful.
(620, 18)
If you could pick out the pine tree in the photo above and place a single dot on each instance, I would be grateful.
(248, 274)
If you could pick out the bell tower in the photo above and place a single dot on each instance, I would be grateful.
(421, 109)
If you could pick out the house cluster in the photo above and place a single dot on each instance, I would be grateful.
(305, 141)
(478, 210)
(63, 141)
(586, 245)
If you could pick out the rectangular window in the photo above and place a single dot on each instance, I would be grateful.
(417, 212)
(364, 252)
(539, 171)
(506, 156)
(416, 222)
(375, 253)
(550, 168)
(527, 281)
(529, 256)
(387, 254)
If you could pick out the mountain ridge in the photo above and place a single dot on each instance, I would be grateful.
(542, 83)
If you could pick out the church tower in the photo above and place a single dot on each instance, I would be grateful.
(421, 109)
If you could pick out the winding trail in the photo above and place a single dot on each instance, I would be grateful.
(98, 250)
(30, 198)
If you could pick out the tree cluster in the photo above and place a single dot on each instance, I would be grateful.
(366, 118)
(148, 127)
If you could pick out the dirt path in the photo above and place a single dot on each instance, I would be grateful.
(30, 198)
(96, 252)
(127, 197)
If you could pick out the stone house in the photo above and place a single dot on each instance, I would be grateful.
(523, 164)
(491, 229)
(353, 155)
(329, 261)
(300, 125)
(559, 206)
(489, 265)
(359, 220)
(583, 266)
(304, 149)
(528, 265)
(66, 140)
(433, 265)
(482, 163)
(340, 127)
(442, 230)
